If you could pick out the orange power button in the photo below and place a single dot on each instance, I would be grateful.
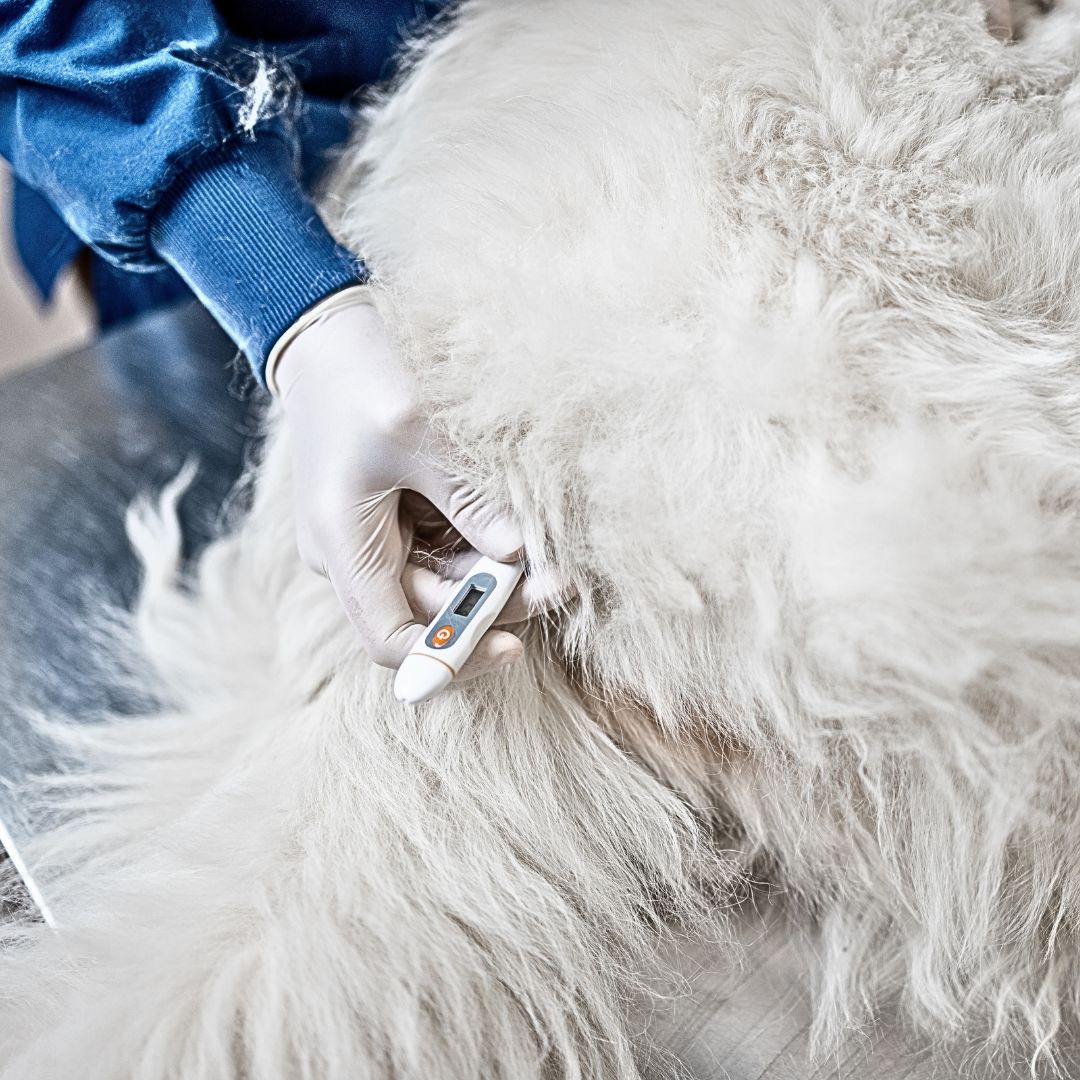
(442, 636)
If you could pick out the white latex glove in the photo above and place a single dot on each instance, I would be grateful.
(360, 443)
(999, 18)
(1007, 19)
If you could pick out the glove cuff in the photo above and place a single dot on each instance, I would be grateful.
(353, 294)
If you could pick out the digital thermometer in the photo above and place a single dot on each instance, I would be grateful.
(449, 639)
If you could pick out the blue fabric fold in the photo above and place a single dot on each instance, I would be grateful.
(187, 135)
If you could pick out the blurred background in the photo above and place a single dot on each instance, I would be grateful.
(30, 332)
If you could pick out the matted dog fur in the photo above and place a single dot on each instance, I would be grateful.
(765, 320)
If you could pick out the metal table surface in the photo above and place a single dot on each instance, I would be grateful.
(79, 438)
(82, 435)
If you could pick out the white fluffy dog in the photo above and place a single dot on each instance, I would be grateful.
(765, 320)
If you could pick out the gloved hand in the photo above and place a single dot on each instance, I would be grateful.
(363, 452)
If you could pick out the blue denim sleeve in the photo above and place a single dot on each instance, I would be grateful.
(158, 138)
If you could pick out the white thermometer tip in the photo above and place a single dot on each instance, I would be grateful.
(421, 677)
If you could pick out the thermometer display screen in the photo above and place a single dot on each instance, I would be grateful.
(469, 602)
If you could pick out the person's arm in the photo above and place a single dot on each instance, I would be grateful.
(158, 138)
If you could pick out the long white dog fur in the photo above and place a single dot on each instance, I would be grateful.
(765, 320)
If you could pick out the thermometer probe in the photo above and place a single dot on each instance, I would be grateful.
(449, 639)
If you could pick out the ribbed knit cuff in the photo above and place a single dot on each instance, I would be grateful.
(240, 231)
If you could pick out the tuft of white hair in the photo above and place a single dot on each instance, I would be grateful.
(765, 320)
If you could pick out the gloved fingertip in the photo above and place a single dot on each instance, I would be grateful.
(509, 652)
(496, 649)
(501, 540)
(508, 548)
(501, 648)
(390, 651)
